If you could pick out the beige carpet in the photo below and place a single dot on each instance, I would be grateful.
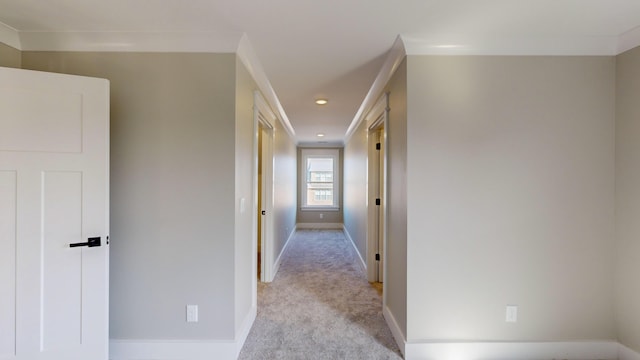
(320, 306)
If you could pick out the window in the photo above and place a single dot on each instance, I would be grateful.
(320, 187)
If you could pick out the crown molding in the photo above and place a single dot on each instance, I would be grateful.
(394, 57)
(511, 45)
(629, 40)
(248, 57)
(210, 42)
(10, 36)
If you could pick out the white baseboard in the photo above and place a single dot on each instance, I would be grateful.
(395, 330)
(624, 353)
(587, 350)
(276, 265)
(242, 335)
(319, 225)
(362, 262)
(172, 350)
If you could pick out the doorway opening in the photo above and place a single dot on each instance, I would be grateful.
(265, 200)
(263, 195)
(377, 182)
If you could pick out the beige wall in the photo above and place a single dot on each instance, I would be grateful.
(355, 188)
(285, 188)
(172, 185)
(628, 199)
(10, 57)
(313, 216)
(245, 219)
(511, 197)
(355, 195)
(397, 288)
(284, 194)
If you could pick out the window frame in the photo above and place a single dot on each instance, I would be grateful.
(306, 154)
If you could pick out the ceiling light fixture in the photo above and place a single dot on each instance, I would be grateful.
(322, 101)
(320, 135)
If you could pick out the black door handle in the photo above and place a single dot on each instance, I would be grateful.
(91, 242)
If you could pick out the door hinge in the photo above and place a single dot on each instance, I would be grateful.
(377, 257)
(378, 202)
(377, 146)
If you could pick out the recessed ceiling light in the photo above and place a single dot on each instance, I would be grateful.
(320, 135)
(322, 101)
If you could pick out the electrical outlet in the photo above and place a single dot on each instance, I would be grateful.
(321, 216)
(192, 313)
(512, 313)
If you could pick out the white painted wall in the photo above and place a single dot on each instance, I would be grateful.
(628, 199)
(511, 197)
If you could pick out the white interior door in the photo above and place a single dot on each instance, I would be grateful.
(54, 182)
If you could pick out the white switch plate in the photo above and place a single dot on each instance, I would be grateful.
(512, 313)
(192, 313)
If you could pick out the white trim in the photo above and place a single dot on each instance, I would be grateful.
(376, 118)
(227, 42)
(337, 226)
(453, 44)
(10, 36)
(121, 41)
(363, 264)
(261, 105)
(242, 335)
(247, 55)
(395, 56)
(395, 330)
(320, 208)
(629, 40)
(172, 349)
(624, 353)
(263, 118)
(276, 265)
(577, 350)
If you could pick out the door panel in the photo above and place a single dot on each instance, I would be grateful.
(37, 120)
(54, 161)
(62, 265)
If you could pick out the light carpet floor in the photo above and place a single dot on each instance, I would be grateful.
(319, 306)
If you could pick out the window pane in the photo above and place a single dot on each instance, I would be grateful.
(319, 181)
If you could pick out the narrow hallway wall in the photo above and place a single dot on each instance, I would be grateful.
(628, 199)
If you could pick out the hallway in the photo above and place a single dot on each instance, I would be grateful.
(319, 306)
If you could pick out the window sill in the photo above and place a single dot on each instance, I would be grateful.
(319, 208)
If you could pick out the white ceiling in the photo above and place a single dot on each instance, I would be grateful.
(333, 49)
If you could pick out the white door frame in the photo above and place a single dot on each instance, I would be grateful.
(377, 119)
(263, 119)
